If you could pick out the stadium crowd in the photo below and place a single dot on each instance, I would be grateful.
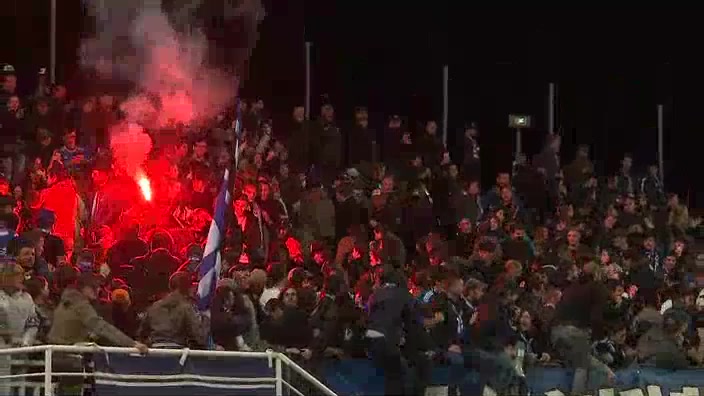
(342, 241)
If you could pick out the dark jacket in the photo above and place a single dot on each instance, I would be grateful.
(75, 321)
(493, 325)
(291, 331)
(583, 305)
(150, 275)
(225, 326)
(656, 348)
(451, 331)
(173, 320)
(360, 146)
(393, 312)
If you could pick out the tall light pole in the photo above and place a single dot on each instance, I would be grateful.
(661, 133)
(52, 43)
(307, 93)
(551, 108)
(445, 101)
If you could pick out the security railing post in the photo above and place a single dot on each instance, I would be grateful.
(279, 378)
(48, 389)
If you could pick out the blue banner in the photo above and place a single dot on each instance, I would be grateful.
(360, 378)
(118, 376)
(154, 376)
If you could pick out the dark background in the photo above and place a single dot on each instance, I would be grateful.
(611, 69)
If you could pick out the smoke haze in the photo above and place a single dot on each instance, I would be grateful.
(160, 46)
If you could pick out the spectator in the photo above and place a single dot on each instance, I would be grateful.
(172, 322)
(22, 321)
(38, 289)
(73, 155)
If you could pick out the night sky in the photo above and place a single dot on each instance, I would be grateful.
(611, 69)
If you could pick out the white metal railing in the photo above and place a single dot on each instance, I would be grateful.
(276, 361)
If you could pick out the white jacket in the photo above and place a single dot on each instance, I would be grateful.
(23, 322)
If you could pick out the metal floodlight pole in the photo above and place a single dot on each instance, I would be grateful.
(518, 143)
(551, 108)
(308, 92)
(661, 159)
(445, 101)
(52, 43)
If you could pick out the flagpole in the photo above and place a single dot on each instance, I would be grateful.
(238, 128)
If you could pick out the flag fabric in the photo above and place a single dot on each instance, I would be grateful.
(238, 134)
(211, 265)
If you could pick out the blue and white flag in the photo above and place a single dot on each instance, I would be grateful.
(212, 261)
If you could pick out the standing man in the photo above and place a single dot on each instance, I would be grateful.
(471, 166)
(328, 136)
(579, 313)
(360, 143)
(393, 318)
(75, 322)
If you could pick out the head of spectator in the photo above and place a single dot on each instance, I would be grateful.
(65, 276)
(59, 92)
(57, 173)
(38, 288)
(4, 186)
(101, 172)
(85, 261)
(9, 79)
(7, 205)
(106, 102)
(24, 252)
(503, 179)
(626, 163)
(327, 112)
(289, 297)
(42, 107)
(298, 113)
(250, 192)
(275, 308)
(11, 276)
(180, 282)
(46, 220)
(161, 240)
(121, 298)
(13, 104)
(89, 284)
(431, 128)
(200, 149)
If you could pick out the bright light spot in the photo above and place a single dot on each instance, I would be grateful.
(146, 187)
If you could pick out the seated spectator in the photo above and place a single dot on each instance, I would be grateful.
(613, 350)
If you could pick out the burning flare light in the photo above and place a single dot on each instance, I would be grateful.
(145, 186)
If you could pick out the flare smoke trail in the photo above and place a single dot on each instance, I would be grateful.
(161, 46)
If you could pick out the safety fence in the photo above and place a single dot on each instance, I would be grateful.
(357, 377)
(42, 370)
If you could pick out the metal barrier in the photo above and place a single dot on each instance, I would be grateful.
(279, 382)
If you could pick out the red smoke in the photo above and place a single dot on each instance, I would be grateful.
(130, 147)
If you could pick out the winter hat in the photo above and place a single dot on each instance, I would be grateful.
(121, 296)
